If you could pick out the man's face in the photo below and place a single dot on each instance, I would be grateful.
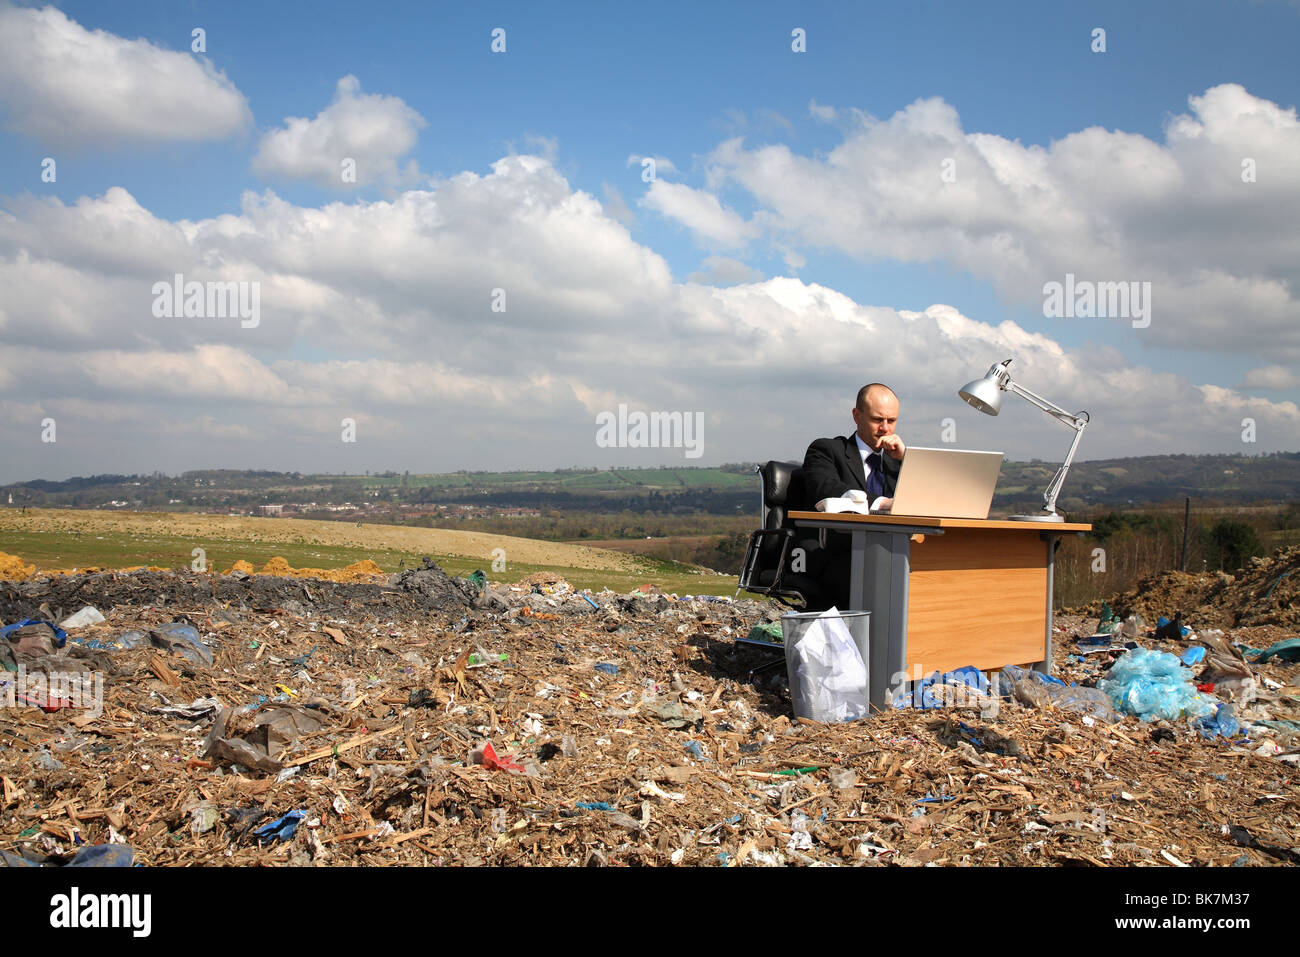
(878, 419)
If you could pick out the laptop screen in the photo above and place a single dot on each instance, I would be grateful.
(946, 483)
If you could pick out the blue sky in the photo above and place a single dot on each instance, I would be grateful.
(788, 238)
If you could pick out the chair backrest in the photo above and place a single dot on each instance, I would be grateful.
(782, 489)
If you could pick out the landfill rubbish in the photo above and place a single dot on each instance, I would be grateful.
(1167, 630)
(1244, 838)
(1110, 622)
(281, 829)
(1152, 684)
(1288, 650)
(180, 637)
(1037, 690)
(1134, 626)
(87, 616)
(980, 738)
(961, 687)
(487, 756)
(1222, 723)
(1192, 656)
(97, 855)
(384, 781)
(765, 632)
(33, 634)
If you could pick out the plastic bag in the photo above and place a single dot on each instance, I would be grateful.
(1037, 690)
(828, 678)
(182, 638)
(1154, 684)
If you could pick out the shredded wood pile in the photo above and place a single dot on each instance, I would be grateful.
(419, 722)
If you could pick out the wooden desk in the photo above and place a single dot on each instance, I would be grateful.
(949, 592)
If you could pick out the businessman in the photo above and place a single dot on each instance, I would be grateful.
(868, 460)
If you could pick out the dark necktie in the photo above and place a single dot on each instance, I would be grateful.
(875, 481)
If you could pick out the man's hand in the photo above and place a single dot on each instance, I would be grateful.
(894, 446)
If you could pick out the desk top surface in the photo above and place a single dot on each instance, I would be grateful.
(853, 518)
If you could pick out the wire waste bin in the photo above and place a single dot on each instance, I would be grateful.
(827, 657)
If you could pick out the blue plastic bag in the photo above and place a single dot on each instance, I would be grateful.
(1221, 724)
(1153, 684)
(60, 636)
(281, 829)
(923, 695)
(185, 639)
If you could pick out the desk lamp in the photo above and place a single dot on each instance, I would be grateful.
(986, 395)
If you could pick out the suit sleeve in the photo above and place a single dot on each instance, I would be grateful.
(821, 473)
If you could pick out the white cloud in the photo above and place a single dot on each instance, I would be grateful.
(701, 212)
(827, 114)
(1222, 254)
(355, 141)
(381, 311)
(722, 271)
(1272, 377)
(68, 86)
(616, 206)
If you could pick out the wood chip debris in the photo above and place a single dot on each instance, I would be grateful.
(676, 753)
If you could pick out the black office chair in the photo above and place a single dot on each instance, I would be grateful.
(771, 549)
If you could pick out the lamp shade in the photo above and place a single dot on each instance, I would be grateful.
(984, 394)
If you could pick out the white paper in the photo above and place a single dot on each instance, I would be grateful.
(829, 677)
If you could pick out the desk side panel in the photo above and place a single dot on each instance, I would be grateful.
(976, 597)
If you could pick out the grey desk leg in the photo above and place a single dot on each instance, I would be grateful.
(1045, 666)
(879, 570)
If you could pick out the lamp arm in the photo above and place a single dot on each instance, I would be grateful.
(1054, 487)
(1075, 421)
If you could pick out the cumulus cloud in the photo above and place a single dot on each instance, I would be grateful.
(711, 223)
(827, 114)
(383, 312)
(723, 271)
(1272, 377)
(355, 141)
(616, 206)
(1206, 216)
(68, 86)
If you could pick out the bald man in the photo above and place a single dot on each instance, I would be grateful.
(868, 460)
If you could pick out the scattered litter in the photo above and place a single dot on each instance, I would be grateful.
(1288, 650)
(1152, 684)
(87, 616)
(686, 755)
(281, 829)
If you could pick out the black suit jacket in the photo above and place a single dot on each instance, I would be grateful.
(831, 466)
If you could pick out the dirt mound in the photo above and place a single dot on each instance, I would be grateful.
(362, 571)
(1269, 591)
(13, 568)
(1266, 593)
(435, 588)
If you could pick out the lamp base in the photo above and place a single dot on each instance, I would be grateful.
(1040, 517)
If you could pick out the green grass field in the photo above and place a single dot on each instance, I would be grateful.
(60, 550)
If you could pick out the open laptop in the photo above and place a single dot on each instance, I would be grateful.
(946, 483)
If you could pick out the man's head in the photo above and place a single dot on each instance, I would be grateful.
(876, 413)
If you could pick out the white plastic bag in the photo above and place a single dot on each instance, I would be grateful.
(828, 678)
